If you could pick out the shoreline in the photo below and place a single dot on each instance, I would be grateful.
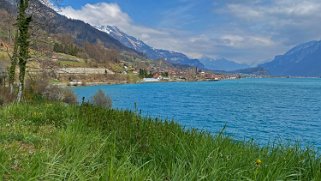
(90, 84)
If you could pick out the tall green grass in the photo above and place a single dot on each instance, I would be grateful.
(54, 141)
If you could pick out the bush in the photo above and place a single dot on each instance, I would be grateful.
(39, 88)
(35, 86)
(53, 93)
(69, 96)
(5, 96)
(56, 93)
(100, 99)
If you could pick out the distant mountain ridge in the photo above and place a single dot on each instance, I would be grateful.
(59, 24)
(260, 71)
(302, 60)
(6, 4)
(150, 52)
(222, 64)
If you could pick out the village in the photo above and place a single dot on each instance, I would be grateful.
(77, 76)
(191, 74)
(69, 70)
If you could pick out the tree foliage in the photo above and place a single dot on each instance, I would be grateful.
(69, 49)
(143, 73)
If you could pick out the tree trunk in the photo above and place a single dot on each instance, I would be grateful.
(22, 73)
(14, 61)
(23, 42)
(20, 90)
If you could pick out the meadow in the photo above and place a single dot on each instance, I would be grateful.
(56, 141)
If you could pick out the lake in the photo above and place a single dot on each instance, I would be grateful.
(265, 110)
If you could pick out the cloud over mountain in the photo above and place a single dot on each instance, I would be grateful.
(245, 31)
(111, 14)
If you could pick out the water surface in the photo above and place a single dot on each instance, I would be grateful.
(263, 109)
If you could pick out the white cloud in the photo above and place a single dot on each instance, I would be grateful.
(245, 31)
(272, 26)
(111, 14)
(98, 14)
(276, 9)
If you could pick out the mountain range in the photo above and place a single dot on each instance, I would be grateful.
(152, 53)
(54, 23)
(110, 36)
(302, 60)
(222, 64)
(7, 4)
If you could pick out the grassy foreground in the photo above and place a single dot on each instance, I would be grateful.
(53, 141)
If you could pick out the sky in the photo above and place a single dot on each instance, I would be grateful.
(245, 31)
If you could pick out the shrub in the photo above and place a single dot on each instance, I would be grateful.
(35, 86)
(69, 96)
(53, 93)
(5, 96)
(100, 99)
(38, 88)
(56, 93)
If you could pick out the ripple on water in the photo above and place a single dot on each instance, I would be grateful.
(262, 109)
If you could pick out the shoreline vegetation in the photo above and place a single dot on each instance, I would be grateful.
(45, 140)
(80, 83)
(85, 83)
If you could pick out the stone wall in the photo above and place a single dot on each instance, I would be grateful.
(84, 71)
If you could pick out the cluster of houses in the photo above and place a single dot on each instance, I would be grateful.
(186, 75)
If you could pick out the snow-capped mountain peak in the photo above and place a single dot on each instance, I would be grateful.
(125, 39)
(150, 52)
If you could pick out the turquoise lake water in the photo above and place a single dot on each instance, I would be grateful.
(265, 110)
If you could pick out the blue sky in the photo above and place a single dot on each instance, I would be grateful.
(189, 14)
(246, 31)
